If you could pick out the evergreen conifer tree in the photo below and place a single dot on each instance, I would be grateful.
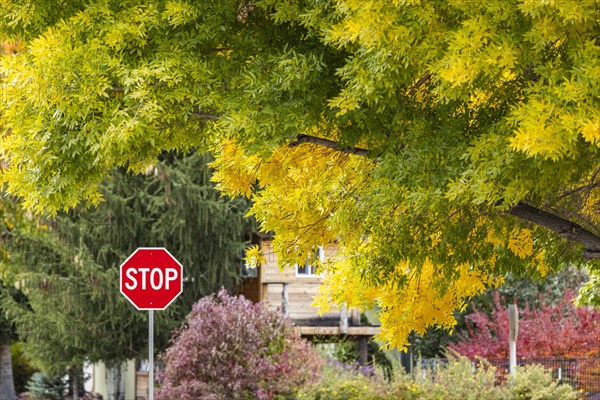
(69, 268)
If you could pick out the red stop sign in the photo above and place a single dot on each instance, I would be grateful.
(151, 278)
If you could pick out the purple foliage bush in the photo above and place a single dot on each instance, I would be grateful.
(234, 349)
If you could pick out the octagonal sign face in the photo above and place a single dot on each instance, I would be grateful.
(151, 278)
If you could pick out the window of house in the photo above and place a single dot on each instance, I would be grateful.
(245, 270)
(310, 266)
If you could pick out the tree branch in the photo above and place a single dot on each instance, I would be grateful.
(577, 190)
(328, 143)
(302, 139)
(413, 89)
(210, 117)
(564, 228)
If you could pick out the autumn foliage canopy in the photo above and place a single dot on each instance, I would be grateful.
(440, 144)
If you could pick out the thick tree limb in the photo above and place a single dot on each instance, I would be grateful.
(328, 143)
(564, 228)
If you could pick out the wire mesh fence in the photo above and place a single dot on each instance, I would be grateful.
(582, 374)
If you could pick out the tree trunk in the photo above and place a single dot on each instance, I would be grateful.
(115, 382)
(7, 383)
(74, 380)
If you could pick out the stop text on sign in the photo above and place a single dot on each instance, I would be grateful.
(151, 278)
(156, 278)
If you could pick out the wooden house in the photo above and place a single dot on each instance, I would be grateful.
(292, 290)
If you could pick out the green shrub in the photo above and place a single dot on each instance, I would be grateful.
(534, 382)
(339, 383)
(458, 379)
(403, 387)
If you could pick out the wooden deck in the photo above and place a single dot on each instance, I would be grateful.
(335, 330)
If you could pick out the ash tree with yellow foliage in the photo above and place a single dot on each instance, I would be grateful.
(440, 144)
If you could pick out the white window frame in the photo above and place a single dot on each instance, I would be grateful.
(320, 252)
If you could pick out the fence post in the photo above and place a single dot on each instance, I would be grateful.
(513, 320)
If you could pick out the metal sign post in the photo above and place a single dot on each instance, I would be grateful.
(151, 279)
(151, 355)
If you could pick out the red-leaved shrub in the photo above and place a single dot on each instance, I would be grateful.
(552, 330)
(234, 349)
